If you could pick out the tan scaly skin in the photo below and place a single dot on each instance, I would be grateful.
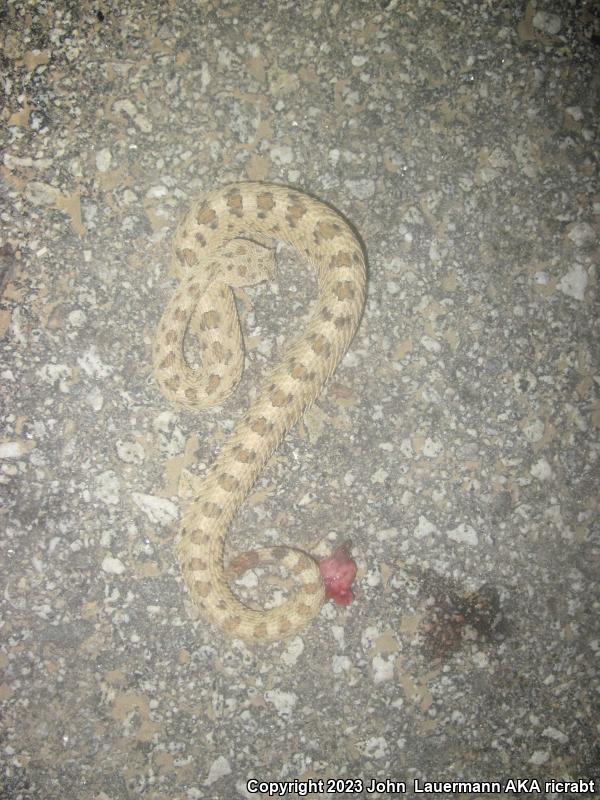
(222, 242)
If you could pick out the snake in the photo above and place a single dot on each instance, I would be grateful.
(225, 241)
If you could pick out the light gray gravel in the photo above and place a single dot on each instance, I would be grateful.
(457, 445)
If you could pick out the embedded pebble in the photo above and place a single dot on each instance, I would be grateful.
(103, 159)
(432, 449)
(218, 769)
(282, 154)
(541, 469)
(583, 235)
(534, 430)
(107, 487)
(15, 449)
(539, 757)
(375, 747)
(574, 282)
(553, 733)
(464, 533)
(91, 363)
(77, 318)
(41, 194)
(284, 702)
(549, 23)
(130, 452)
(113, 566)
(159, 510)
(361, 188)
(424, 528)
(383, 668)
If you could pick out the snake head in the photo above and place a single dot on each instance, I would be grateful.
(338, 571)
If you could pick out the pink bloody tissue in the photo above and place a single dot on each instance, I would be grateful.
(338, 572)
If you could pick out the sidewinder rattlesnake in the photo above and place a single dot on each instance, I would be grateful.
(222, 242)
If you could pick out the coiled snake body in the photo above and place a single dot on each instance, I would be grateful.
(222, 242)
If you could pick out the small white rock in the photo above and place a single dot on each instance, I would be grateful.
(575, 112)
(91, 363)
(582, 234)
(424, 528)
(375, 747)
(41, 194)
(463, 533)
(15, 449)
(406, 448)
(431, 345)
(539, 757)
(284, 702)
(553, 733)
(340, 664)
(103, 160)
(282, 154)
(534, 430)
(130, 452)
(126, 106)
(107, 487)
(383, 668)
(541, 470)
(113, 566)
(380, 476)
(94, 399)
(143, 123)
(77, 318)
(548, 23)
(369, 637)
(218, 769)
(432, 449)
(387, 535)
(362, 188)
(574, 283)
(157, 191)
(159, 510)
(293, 651)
